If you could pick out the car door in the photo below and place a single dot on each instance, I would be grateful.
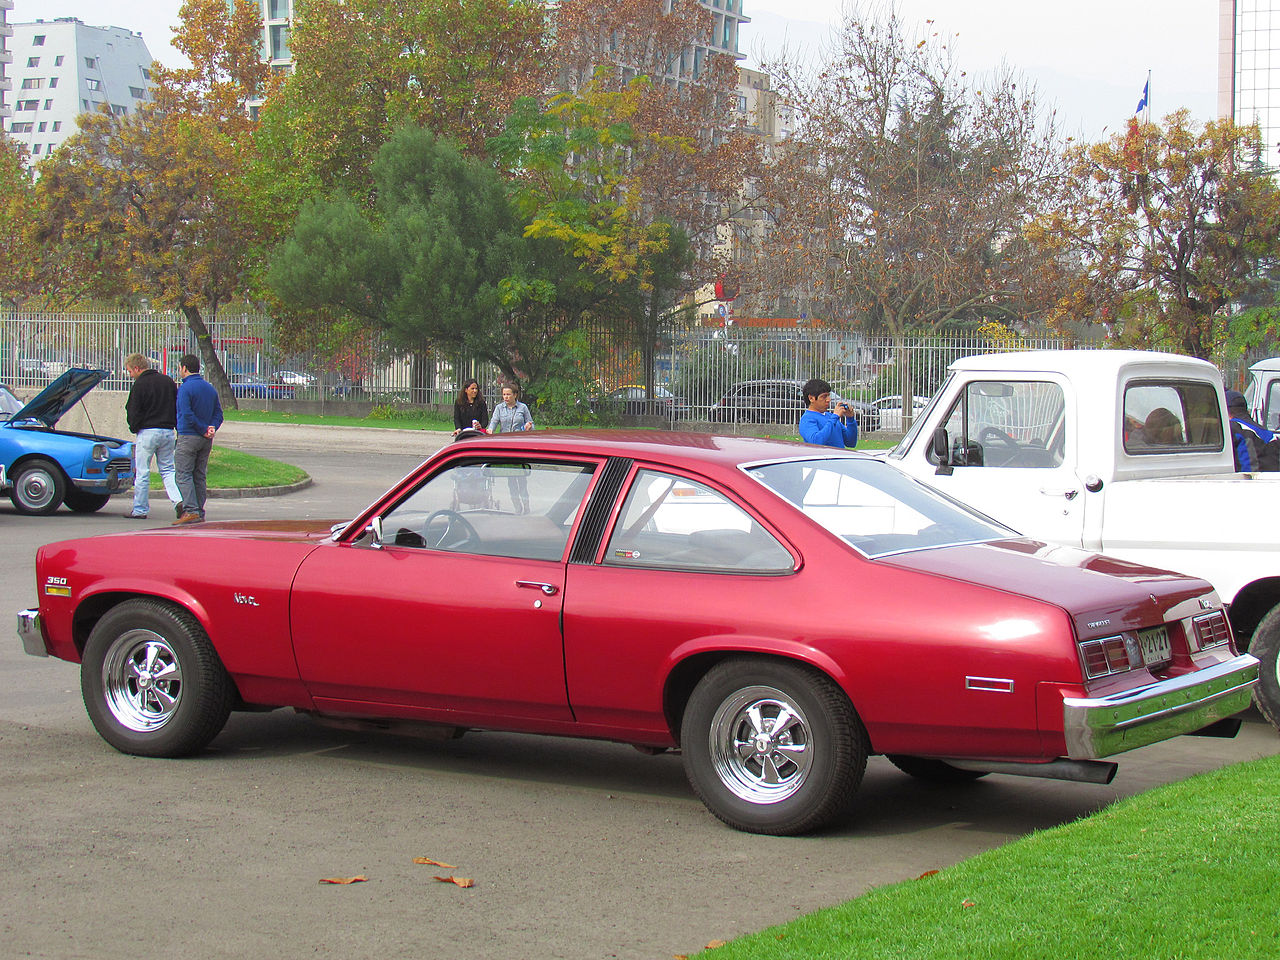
(453, 614)
(1008, 442)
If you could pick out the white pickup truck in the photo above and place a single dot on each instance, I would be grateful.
(1122, 452)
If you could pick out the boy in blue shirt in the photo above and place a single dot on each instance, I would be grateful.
(820, 425)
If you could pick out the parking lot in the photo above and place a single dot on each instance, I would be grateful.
(577, 849)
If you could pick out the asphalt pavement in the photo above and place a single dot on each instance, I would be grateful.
(579, 850)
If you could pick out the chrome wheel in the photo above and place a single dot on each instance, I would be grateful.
(37, 488)
(760, 745)
(142, 680)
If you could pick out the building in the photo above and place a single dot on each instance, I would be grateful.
(1249, 67)
(276, 17)
(6, 58)
(64, 67)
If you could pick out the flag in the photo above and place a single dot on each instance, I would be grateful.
(1142, 104)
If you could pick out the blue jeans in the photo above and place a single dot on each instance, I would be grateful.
(192, 461)
(159, 443)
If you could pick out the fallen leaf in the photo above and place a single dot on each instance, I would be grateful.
(715, 943)
(457, 881)
(434, 863)
(967, 903)
(360, 879)
(927, 873)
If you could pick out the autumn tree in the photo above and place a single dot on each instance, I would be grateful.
(155, 198)
(689, 156)
(898, 204)
(1161, 229)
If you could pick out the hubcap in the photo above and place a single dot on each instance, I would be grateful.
(761, 745)
(142, 680)
(35, 488)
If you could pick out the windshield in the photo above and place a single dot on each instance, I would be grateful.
(875, 507)
(918, 423)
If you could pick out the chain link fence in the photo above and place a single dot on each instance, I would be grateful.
(738, 377)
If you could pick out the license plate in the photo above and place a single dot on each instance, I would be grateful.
(1155, 645)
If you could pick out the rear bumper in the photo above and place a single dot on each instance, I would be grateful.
(31, 634)
(1102, 726)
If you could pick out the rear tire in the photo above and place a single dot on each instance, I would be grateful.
(772, 746)
(38, 487)
(935, 771)
(152, 683)
(1265, 645)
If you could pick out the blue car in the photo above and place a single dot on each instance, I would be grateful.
(41, 467)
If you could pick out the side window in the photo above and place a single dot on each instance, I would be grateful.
(671, 522)
(1271, 408)
(1016, 423)
(1171, 417)
(497, 508)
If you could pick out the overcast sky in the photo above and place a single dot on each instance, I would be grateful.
(1088, 57)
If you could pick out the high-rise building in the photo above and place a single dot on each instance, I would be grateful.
(277, 16)
(1249, 67)
(63, 68)
(6, 58)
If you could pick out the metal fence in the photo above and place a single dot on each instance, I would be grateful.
(737, 376)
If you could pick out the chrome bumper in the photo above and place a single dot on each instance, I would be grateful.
(1101, 726)
(31, 634)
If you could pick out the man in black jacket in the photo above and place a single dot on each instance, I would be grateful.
(151, 411)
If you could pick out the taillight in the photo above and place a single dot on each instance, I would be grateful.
(1110, 655)
(1211, 630)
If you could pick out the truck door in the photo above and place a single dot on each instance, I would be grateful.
(1010, 444)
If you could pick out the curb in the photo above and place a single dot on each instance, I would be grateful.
(232, 493)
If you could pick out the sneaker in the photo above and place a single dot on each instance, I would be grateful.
(135, 516)
(187, 518)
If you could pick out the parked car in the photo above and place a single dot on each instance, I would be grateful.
(779, 401)
(778, 612)
(295, 378)
(630, 400)
(42, 467)
(255, 388)
(890, 411)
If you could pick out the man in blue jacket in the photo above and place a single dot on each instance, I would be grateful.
(199, 417)
(818, 424)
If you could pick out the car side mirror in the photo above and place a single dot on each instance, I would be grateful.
(371, 535)
(942, 452)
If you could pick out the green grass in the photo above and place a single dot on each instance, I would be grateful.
(231, 468)
(1184, 871)
(399, 420)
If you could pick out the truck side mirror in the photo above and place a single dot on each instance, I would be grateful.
(942, 452)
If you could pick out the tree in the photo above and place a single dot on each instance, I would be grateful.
(155, 199)
(1161, 229)
(899, 202)
(426, 263)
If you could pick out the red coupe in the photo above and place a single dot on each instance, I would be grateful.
(776, 612)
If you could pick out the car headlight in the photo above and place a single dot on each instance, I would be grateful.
(100, 452)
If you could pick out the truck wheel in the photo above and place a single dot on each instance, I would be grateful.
(37, 487)
(772, 747)
(936, 771)
(1265, 645)
(80, 501)
(152, 683)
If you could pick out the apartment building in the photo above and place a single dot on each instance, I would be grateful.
(6, 58)
(62, 68)
(1249, 68)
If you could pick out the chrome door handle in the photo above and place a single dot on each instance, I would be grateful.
(547, 589)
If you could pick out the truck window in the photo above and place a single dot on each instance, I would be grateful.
(1167, 416)
(1271, 409)
(1014, 423)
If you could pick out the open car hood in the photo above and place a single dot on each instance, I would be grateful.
(49, 405)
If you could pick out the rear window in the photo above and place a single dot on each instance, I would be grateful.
(1171, 416)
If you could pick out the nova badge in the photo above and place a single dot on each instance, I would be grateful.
(245, 599)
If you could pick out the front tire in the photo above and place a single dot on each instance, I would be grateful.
(1265, 645)
(772, 747)
(38, 487)
(81, 501)
(152, 683)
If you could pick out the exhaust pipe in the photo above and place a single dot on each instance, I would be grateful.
(1082, 771)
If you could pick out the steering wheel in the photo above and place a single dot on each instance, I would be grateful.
(997, 434)
(448, 530)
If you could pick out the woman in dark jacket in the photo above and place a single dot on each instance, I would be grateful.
(469, 410)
